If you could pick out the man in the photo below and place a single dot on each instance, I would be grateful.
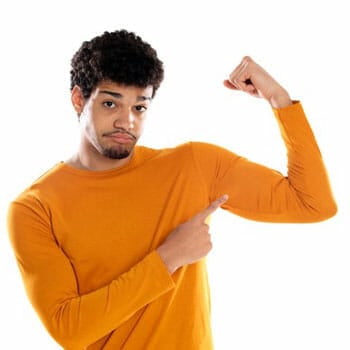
(111, 243)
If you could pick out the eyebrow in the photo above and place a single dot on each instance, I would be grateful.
(118, 95)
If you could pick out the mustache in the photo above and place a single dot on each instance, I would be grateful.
(120, 131)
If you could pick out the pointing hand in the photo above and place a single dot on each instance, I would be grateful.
(190, 241)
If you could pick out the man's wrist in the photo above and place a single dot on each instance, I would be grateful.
(166, 258)
(281, 100)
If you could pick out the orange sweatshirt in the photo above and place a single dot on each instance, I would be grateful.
(86, 241)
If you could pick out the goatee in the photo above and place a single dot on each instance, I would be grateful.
(113, 153)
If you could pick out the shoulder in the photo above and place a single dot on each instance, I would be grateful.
(192, 149)
(32, 194)
(185, 148)
(195, 154)
(176, 153)
(204, 150)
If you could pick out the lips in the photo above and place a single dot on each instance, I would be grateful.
(121, 137)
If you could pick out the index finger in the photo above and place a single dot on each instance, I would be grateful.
(212, 207)
(234, 77)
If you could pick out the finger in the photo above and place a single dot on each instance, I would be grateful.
(245, 85)
(238, 69)
(243, 80)
(241, 76)
(235, 76)
(211, 208)
(229, 85)
(250, 88)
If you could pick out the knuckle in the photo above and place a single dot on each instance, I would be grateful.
(247, 59)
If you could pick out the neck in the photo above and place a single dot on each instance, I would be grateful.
(99, 163)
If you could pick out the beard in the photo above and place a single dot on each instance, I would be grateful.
(118, 151)
(113, 153)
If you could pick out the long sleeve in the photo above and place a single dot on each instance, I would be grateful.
(259, 193)
(76, 320)
(85, 241)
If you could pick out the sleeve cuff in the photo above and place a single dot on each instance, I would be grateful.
(294, 108)
(162, 274)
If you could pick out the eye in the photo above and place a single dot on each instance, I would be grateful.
(141, 108)
(109, 104)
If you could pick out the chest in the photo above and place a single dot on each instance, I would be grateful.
(106, 227)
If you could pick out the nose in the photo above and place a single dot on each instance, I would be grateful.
(125, 120)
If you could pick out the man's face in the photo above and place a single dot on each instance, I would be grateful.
(112, 118)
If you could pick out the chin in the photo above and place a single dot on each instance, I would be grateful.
(117, 153)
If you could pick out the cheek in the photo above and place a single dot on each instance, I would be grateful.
(140, 120)
(139, 125)
(89, 128)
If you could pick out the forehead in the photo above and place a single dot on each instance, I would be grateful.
(123, 90)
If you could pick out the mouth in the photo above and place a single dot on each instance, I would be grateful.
(121, 136)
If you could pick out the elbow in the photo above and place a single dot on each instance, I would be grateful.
(67, 340)
(65, 330)
(330, 212)
(325, 212)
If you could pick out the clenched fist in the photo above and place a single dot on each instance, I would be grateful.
(249, 77)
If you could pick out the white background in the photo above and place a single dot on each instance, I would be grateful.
(273, 286)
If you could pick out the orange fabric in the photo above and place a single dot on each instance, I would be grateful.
(85, 241)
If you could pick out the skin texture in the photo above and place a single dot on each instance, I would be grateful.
(190, 241)
(111, 122)
(251, 78)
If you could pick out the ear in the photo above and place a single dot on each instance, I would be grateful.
(77, 99)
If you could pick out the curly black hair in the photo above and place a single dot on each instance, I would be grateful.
(121, 57)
